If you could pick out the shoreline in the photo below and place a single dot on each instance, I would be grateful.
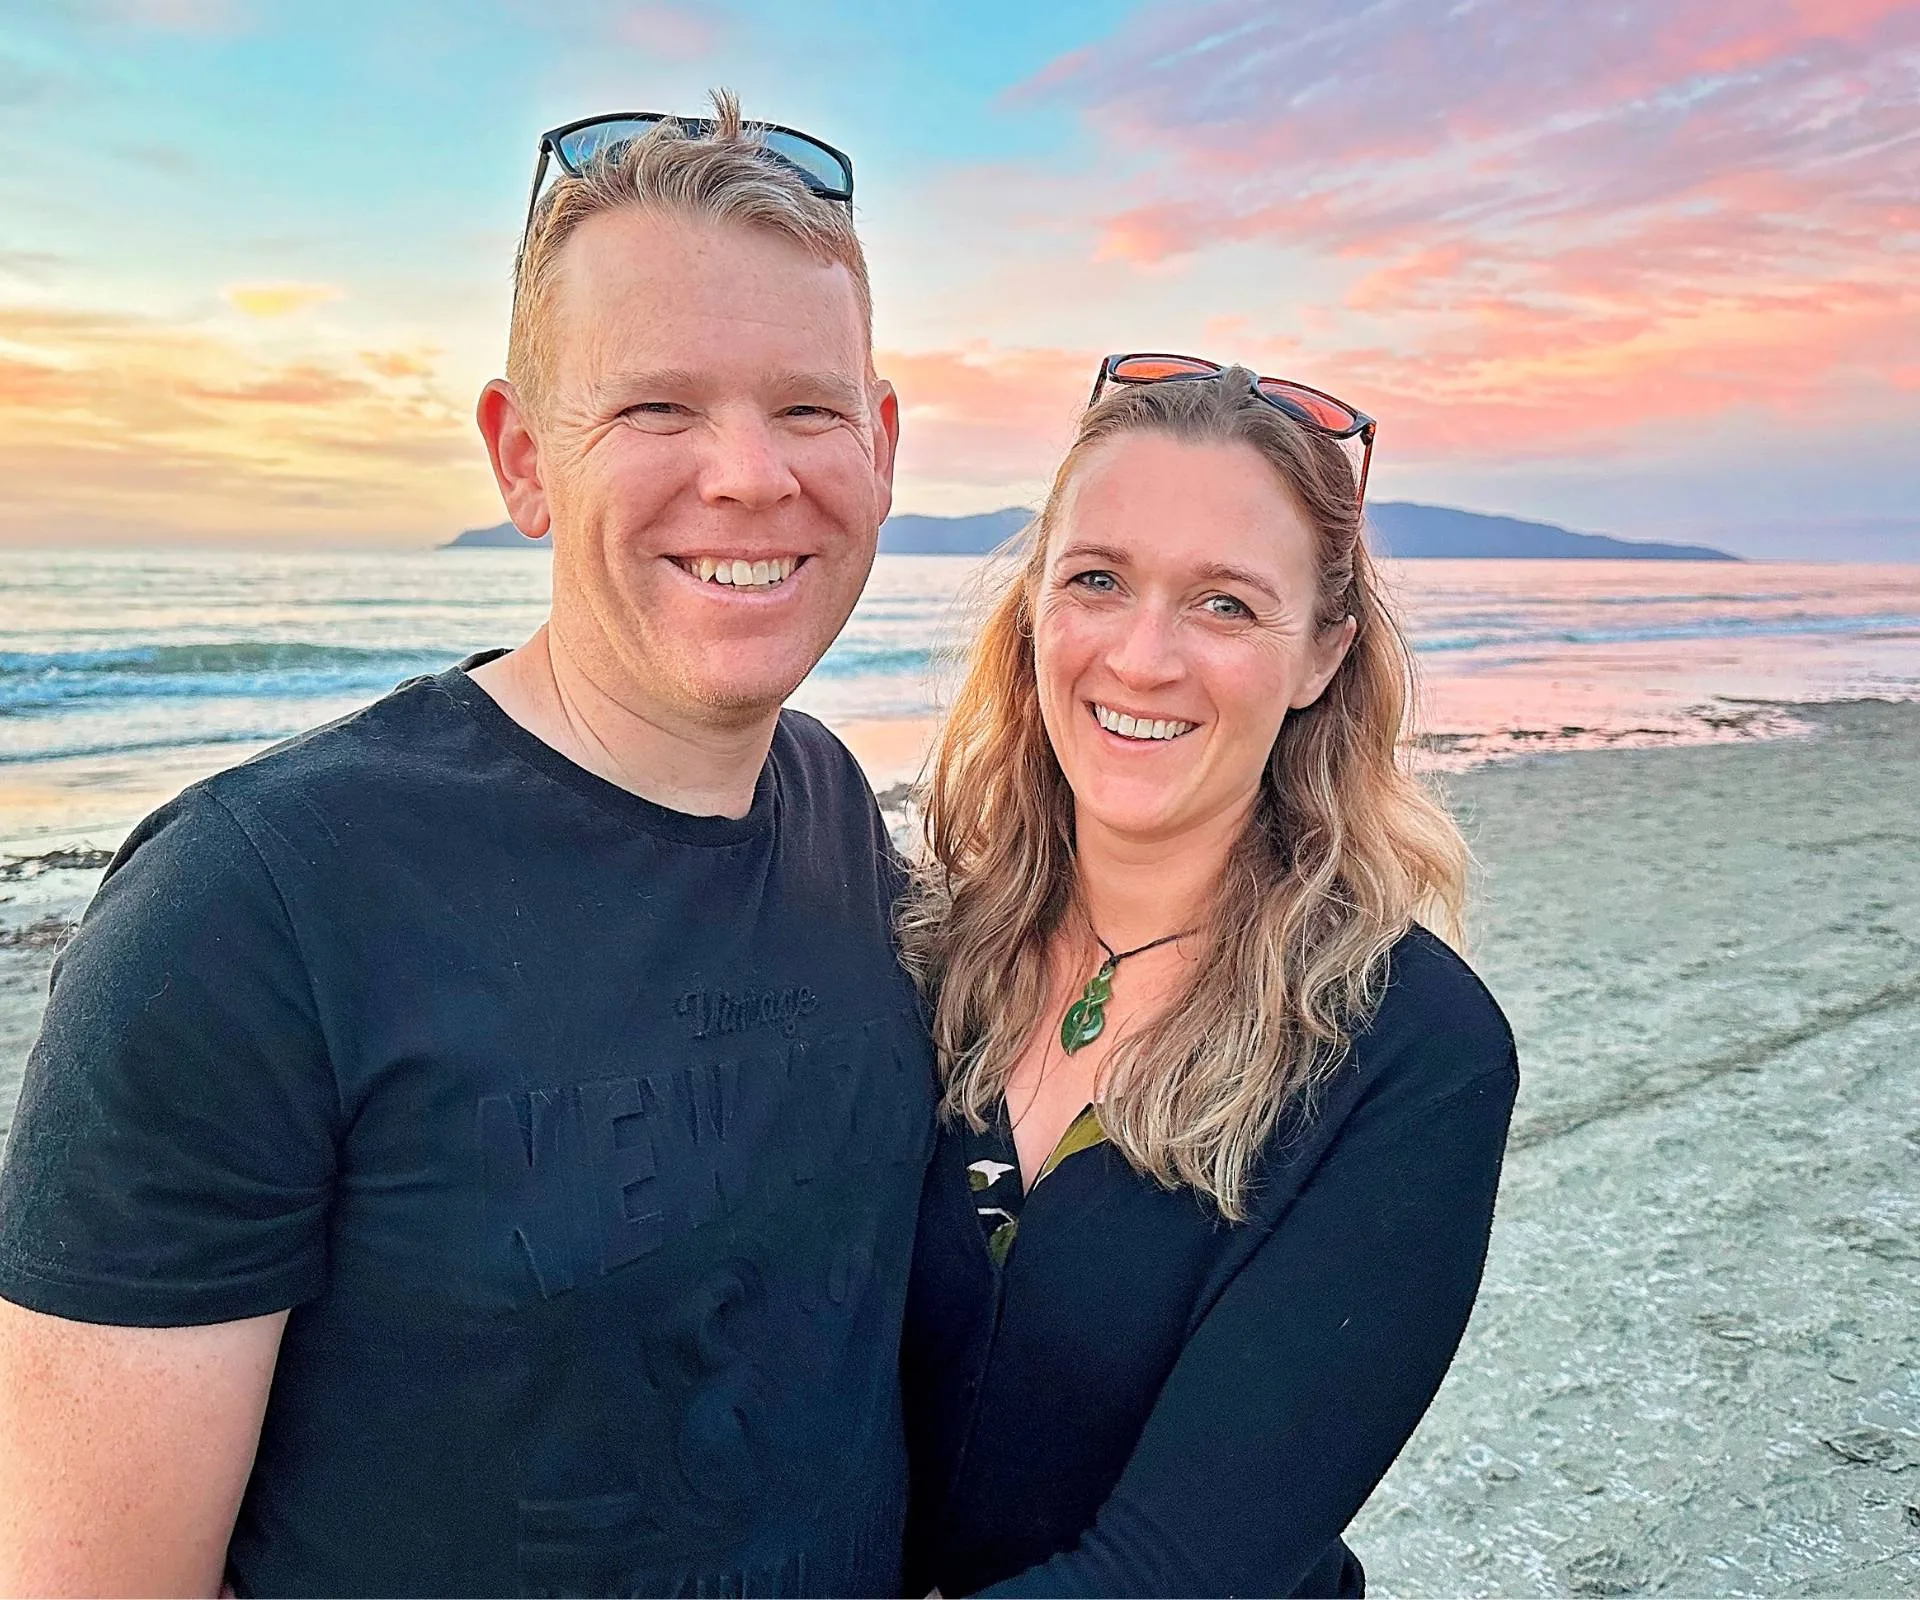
(61, 863)
(892, 751)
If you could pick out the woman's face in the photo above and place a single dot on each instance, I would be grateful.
(1173, 631)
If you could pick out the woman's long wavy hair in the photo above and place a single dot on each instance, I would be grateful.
(1345, 847)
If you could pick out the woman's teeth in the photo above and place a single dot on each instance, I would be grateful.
(1141, 727)
(742, 574)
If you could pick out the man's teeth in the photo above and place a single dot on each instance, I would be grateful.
(742, 574)
(1141, 727)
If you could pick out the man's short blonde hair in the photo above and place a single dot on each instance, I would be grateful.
(720, 175)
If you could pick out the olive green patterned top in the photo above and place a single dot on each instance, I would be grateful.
(993, 1172)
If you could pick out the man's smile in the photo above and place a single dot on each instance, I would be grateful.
(741, 572)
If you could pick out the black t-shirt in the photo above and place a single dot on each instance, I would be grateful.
(1125, 1396)
(583, 1137)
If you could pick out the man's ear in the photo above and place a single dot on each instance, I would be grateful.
(886, 440)
(515, 454)
(1329, 650)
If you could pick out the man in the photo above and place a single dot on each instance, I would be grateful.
(474, 1147)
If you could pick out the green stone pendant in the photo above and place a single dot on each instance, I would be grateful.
(1088, 1015)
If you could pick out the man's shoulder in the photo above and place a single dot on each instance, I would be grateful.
(410, 736)
(304, 797)
(812, 759)
(806, 738)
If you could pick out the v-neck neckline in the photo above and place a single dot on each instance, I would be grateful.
(992, 1159)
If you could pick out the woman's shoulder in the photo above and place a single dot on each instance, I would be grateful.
(1434, 1061)
(1437, 1028)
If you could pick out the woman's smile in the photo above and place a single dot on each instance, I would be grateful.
(1140, 727)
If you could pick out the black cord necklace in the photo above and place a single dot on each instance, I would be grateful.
(1087, 1016)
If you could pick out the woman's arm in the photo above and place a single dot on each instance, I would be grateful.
(1307, 1376)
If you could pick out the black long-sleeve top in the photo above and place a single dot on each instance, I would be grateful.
(1145, 1400)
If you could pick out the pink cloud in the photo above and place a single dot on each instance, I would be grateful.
(672, 32)
(167, 16)
(1552, 223)
(983, 414)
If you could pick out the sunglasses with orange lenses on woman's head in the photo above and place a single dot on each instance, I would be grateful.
(1321, 412)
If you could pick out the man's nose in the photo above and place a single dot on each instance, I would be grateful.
(745, 465)
(1147, 653)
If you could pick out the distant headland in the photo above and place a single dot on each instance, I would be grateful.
(1405, 528)
(1399, 528)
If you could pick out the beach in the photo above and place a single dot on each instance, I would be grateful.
(1695, 1364)
(1691, 791)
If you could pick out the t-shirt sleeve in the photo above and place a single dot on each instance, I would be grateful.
(1309, 1373)
(172, 1155)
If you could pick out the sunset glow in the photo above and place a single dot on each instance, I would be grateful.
(1650, 268)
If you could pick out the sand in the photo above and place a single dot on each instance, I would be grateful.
(891, 750)
(1695, 1366)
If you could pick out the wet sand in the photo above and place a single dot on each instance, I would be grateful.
(892, 750)
(1695, 1366)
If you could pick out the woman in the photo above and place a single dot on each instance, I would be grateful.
(1223, 1121)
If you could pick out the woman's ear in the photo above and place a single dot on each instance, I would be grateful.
(1330, 648)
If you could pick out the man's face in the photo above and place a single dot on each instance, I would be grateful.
(715, 458)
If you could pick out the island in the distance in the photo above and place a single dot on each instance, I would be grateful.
(1399, 528)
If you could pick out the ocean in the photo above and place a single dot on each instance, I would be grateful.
(126, 674)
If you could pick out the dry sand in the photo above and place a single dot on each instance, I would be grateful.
(1695, 1367)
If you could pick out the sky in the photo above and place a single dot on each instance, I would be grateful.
(1643, 267)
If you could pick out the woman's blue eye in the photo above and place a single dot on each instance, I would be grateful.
(1224, 605)
(1099, 582)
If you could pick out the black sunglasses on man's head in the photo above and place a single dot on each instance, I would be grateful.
(826, 171)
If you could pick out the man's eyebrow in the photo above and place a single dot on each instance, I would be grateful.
(832, 388)
(835, 387)
(670, 379)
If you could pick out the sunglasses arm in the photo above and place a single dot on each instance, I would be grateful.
(533, 197)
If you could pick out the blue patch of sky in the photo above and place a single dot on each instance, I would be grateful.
(361, 138)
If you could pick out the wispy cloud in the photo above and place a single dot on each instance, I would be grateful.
(1576, 219)
(978, 415)
(278, 299)
(166, 16)
(114, 423)
(673, 32)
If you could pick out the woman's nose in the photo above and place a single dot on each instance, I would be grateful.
(1147, 651)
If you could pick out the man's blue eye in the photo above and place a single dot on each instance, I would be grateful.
(1224, 605)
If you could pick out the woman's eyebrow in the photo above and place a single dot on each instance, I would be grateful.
(1220, 572)
(1084, 550)
(1211, 572)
